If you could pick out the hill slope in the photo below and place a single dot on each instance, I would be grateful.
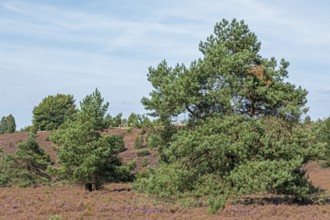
(119, 201)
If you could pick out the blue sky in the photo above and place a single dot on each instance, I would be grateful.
(72, 47)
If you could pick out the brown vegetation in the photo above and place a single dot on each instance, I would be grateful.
(119, 201)
(258, 72)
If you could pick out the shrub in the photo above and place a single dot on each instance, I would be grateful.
(322, 130)
(145, 162)
(28, 128)
(55, 217)
(138, 142)
(27, 166)
(234, 156)
(143, 153)
(117, 142)
(154, 139)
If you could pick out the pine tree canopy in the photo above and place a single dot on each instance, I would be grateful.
(243, 133)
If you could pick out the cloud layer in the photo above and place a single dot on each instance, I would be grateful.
(49, 47)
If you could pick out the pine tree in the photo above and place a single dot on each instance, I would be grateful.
(11, 124)
(3, 125)
(53, 111)
(87, 156)
(243, 133)
(27, 166)
(231, 78)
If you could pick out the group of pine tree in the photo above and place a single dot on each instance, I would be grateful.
(7, 124)
(243, 131)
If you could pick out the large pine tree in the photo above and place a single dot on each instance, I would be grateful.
(243, 133)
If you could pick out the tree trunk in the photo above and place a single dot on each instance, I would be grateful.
(88, 186)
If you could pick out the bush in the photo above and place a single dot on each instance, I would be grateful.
(114, 122)
(27, 166)
(233, 156)
(117, 142)
(138, 142)
(145, 162)
(29, 128)
(55, 217)
(322, 130)
(143, 153)
(153, 140)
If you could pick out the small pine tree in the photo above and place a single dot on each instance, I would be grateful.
(88, 157)
(53, 111)
(3, 125)
(7, 124)
(138, 143)
(321, 129)
(11, 124)
(113, 122)
(27, 166)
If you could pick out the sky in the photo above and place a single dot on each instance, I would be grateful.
(74, 46)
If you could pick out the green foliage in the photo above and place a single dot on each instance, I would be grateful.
(154, 139)
(242, 134)
(113, 122)
(138, 121)
(232, 156)
(167, 181)
(87, 157)
(117, 142)
(28, 128)
(143, 153)
(134, 120)
(11, 124)
(139, 141)
(145, 162)
(53, 111)
(321, 129)
(7, 124)
(231, 78)
(27, 166)
(3, 125)
(55, 217)
(93, 111)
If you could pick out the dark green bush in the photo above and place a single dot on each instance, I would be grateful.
(145, 162)
(138, 143)
(27, 166)
(143, 153)
(234, 156)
